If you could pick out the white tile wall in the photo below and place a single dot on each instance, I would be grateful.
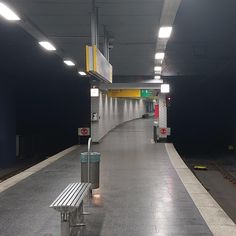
(112, 112)
(163, 111)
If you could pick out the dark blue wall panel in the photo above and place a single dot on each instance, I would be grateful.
(42, 100)
(201, 113)
(7, 122)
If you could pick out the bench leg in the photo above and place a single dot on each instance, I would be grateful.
(77, 218)
(81, 210)
(65, 224)
(80, 217)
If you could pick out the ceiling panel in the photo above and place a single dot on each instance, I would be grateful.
(133, 60)
(133, 25)
(203, 40)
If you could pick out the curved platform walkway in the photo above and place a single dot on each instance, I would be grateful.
(146, 190)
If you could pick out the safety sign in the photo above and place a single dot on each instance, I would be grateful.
(164, 132)
(84, 131)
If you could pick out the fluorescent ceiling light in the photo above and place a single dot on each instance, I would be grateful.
(159, 81)
(165, 88)
(157, 69)
(165, 32)
(157, 77)
(7, 13)
(69, 63)
(160, 55)
(48, 46)
(82, 73)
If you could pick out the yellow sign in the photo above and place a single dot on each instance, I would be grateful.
(124, 93)
(97, 64)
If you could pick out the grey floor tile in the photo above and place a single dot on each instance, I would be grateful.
(140, 192)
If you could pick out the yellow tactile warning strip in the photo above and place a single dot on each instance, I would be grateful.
(23, 175)
(217, 220)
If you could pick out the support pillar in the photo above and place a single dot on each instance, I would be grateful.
(106, 44)
(94, 25)
(162, 116)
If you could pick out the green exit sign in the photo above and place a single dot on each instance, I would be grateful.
(145, 93)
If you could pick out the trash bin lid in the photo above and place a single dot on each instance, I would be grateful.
(94, 157)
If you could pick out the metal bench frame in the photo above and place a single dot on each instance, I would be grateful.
(70, 205)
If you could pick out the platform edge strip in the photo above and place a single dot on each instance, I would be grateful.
(215, 217)
(32, 170)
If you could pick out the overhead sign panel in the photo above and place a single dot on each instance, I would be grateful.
(146, 93)
(131, 93)
(124, 93)
(97, 64)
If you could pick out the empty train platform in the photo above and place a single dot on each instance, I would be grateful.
(145, 189)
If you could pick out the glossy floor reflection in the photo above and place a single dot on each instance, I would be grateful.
(140, 192)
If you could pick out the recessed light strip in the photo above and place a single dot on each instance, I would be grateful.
(69, 63)
(47, 45)
(7, 13)
(159, 55)
(10, 15)
(82, 73)
(165, 32)
(158, 69)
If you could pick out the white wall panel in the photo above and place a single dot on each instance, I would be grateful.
(113, 112)
(163, 111)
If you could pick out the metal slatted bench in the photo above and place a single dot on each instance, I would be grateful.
(70, 204)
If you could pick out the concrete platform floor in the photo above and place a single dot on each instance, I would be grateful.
(140, 193)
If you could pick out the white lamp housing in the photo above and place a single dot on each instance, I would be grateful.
(94, 92)
(165, 88)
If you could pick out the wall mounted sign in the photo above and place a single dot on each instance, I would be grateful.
(164, 132)
(84, 132)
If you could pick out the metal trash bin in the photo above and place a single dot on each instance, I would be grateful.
(94, 168)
